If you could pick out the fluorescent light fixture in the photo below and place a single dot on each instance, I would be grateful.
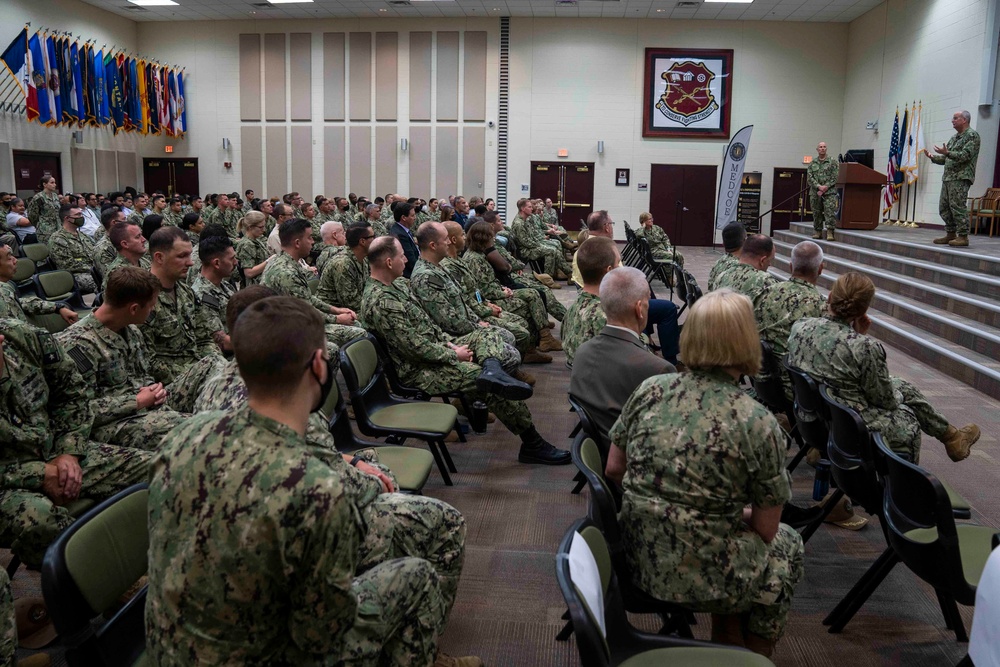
(734, 2)
(152, 3)
(288, 2)
(432, 0)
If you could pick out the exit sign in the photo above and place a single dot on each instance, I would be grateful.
(168, 149)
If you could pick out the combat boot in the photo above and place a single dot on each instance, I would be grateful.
(829, 235)
(946, 239)
(818, 234)
(958, 442)
(727, 629)
(535, 449)
(495, 380)
(533, 356)
(445, 660)
(548, 342)
(527, 378)
(959, 242)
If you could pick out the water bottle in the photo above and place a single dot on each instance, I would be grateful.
(821, 484)
(479, 417)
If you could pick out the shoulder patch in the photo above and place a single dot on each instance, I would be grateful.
(392, 305)
(210, 300)
(80, 359)
(50, 348)
(436, 281)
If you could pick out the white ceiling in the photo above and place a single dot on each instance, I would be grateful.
(836, 11)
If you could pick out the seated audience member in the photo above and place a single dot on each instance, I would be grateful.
(73, 251)
(19, 307)
(48, 459)
(251, 249)
(608, 367)
(733, 236)
(659, 242)
(835, 350)
(104, 251)
(405, 217)
(216, 587)
(749, 276)
(692, 451)
(212, 286)
(429, 359)
(173, 214)
(510, 271)
(342, 282)
(127, 239)
(585, 318)
(19, 223)
(282, 213)
(150, 223)
(532, 244)
(334, 242)
(130, 408)
(193, 224)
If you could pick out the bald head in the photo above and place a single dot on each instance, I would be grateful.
(430, 232)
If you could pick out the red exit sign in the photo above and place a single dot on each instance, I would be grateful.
(168, 149)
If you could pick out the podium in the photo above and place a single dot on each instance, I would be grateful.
(860, 192)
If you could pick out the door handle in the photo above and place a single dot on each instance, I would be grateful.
(577, 205)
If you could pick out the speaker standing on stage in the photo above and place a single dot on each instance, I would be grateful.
(959, 159)
(822, 177)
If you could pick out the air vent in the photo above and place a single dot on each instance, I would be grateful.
(133, 8)
(565, 3)
(263, 5)
(688, 5)
(400, 3)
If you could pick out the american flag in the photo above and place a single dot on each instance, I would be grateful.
(890, 194)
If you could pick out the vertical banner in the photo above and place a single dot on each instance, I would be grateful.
(732, 177)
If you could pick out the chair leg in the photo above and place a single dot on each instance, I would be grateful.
(859, 594)
(965, 662)
(15, 563)
(436, 453)
(677, 623)
(565, 632)
(581, 482)
(814, 526)
(576, 430)
(447, 456)
(953, 620)
(797, 459)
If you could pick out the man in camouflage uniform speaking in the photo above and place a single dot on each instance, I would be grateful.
(822, 178)
(959, 157)
(247, 527)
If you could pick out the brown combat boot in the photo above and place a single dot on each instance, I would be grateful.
(547, 342)
(758, 644)
(817, 235)
(829, 235)
(946, 239)
(727, 629)
(533, 356)
(524, 377)
(958, 442)
(959, 242)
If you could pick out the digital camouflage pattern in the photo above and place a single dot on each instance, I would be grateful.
(853, 365)
(584, 320)
(746, 280)
(251, 252)
(227, 218)
(698, 450)
(172, 219)
(74, 252)
(419, 350)
(524, 337)
(19, 307)
(8, 621)
(532, 244)
(45, 413)
(103, 254)
(177, 333)
(43, 211)
(342, 281)
(213, 300)
(246, 527)
(527, 278)
(824, 209)
(959, 173)
(327, 253)
(724, 263)
(121, 260)
(782, 304)
(526, 302)
(114, 368)
(659, 244)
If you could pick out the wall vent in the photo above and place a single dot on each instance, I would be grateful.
(502, 116)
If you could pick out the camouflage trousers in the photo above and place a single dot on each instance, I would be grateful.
(901, 427)
(952, 206)
(8, 624)
(342, 334)
(400, 615)
(527, 304)
(188, 381)
(824, 210)
(401, 525)
(141, 431)
(553, 256)
(674, 256)
(767, 611)
(549, 301)
(29, 521)
(521, 336)
(167, 369)
(491, 343)
(86, 283)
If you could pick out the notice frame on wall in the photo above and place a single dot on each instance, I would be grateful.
(687, 93)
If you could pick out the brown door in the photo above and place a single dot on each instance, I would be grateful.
(29, 169)
(682, 201)
(170, 175)
(790, 203)
(570, 186)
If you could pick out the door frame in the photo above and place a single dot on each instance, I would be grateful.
(170, 160)
(570, 225)
(15, 153)
(803, 212)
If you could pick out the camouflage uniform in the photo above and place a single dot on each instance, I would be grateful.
(531, 244)
(252, 252)
(171, 219)
(824, 209)
(524, 335)
(746, 280)
(854, 366)
(342, 281)
(121, 260)
(43, 211)
(781, 305)
(8, 621)
(379, 227)
(422, 358)
(584, 320)
(659, 245)
(441, 298)
(11, 305)
(697, 452)
(179, 336)
(287, 277)
(135, 218)
(327, 253)
(103, 254)
(227, 218)
(45, 413)
(74, 252)
(113, 366)
(959, 173)
(213, 300)
(526, 302)
(528, 279)
(725, 263)
(247, 526)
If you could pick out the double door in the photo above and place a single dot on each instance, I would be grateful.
(172, 176)
(31, 167)
(570, 186)
(682, 201)
(791, 204)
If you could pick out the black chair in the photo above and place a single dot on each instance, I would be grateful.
(586, 425)
(812, 415)
(39, 254)
(380, 414)
(687, 288)
(85, 573)
(630, 254)
(619, 643)
(771, 392)
(921, 528)
(59, 285)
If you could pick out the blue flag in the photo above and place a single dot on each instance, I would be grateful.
(52, 78)
(101, 90)
(78, 93)
(114, 84)
(39, 79)
(900, 147)
(15, 59)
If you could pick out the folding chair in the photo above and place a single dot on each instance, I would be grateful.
(59, 285)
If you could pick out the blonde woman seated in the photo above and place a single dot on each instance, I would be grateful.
(659, 242)
(835, 350)
(692, 451)
(252, 249)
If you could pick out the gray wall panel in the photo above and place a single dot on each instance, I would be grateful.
(420, 76)
(250, 92)
(474, 96)
(302, 160)
(386, 75)
(252, 159)
(446, 170)
(420, 161)
(300, 75)
(274, 76)
(128, 170)
(447, 76)
(385, 159)
(361, 76)
(473, 161)
(276, 143)
(107, 171)
(83, 169)
(334, 158)
(361, 161)
(333, 75)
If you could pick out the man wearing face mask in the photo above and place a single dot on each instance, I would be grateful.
(72, 251)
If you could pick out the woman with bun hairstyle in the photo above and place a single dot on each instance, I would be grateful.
(836, 350)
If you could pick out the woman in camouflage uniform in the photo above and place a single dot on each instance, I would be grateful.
(43, 209)
(693, 452)
(251, 249)
(659, 242)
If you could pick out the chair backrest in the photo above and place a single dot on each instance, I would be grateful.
(88, 568)
(55, 285)
(768, 385)
(920, 525)
(601, 508)
(849, 449)
(334, 410)
(36, 252)
(587, 426)
(811, 411)
(583, 564)
(396, 385)
(24, 270)
(365, 378)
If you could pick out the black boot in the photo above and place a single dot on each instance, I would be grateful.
(535, 449)
(495, 380)
(799, 517)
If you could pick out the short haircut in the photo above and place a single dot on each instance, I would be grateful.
(163, 239)
(480, 209)
(214, 229)
(293, 229)
(119, 232)
(174, 200)
(329, 227)
(247, 192)
(155, 197)
(151, 223)
(371, 208)
(400, 210)
(966, 115)
(382, 248)
(211, 247)
(306, 205)
(521, 203)
(108, 215)
(620, 290)
(242, 300)
(733, 236)
(280, 210)
(597, 220)
(480, 236)
(429, 233)
(806, 259)
(720, 332)
(65, 209)
(190, 220)
(273, 341)
(851, 295)
(356, 232)
(130, 284)
(594, 257)
(757, 245)
(490, 217)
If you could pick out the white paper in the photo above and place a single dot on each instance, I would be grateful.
(587, 578)
(984, 642)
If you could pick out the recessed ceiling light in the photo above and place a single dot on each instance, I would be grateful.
(152, 3)
(383, 10)
(287, 2)
(660, 11)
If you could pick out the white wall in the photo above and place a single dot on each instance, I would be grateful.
(929, 50)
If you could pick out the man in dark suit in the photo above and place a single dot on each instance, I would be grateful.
(406, 216)
(609, 367)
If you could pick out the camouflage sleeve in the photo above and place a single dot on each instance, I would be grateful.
(432, 292)
(70, 413)
(34, 210)
(770, 484)
(486, 280)
(397, 327)
(32, 305)
(965, 150)
(109, 408)
(876, 385)
(937, 159)
(811, 180)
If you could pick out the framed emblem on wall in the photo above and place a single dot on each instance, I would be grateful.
(688, 93)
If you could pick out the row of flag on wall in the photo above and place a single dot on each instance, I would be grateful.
(66, 83)
(905, 146)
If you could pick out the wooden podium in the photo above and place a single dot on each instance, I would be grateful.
(860, 191)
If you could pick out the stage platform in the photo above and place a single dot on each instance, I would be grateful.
(940, 305)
